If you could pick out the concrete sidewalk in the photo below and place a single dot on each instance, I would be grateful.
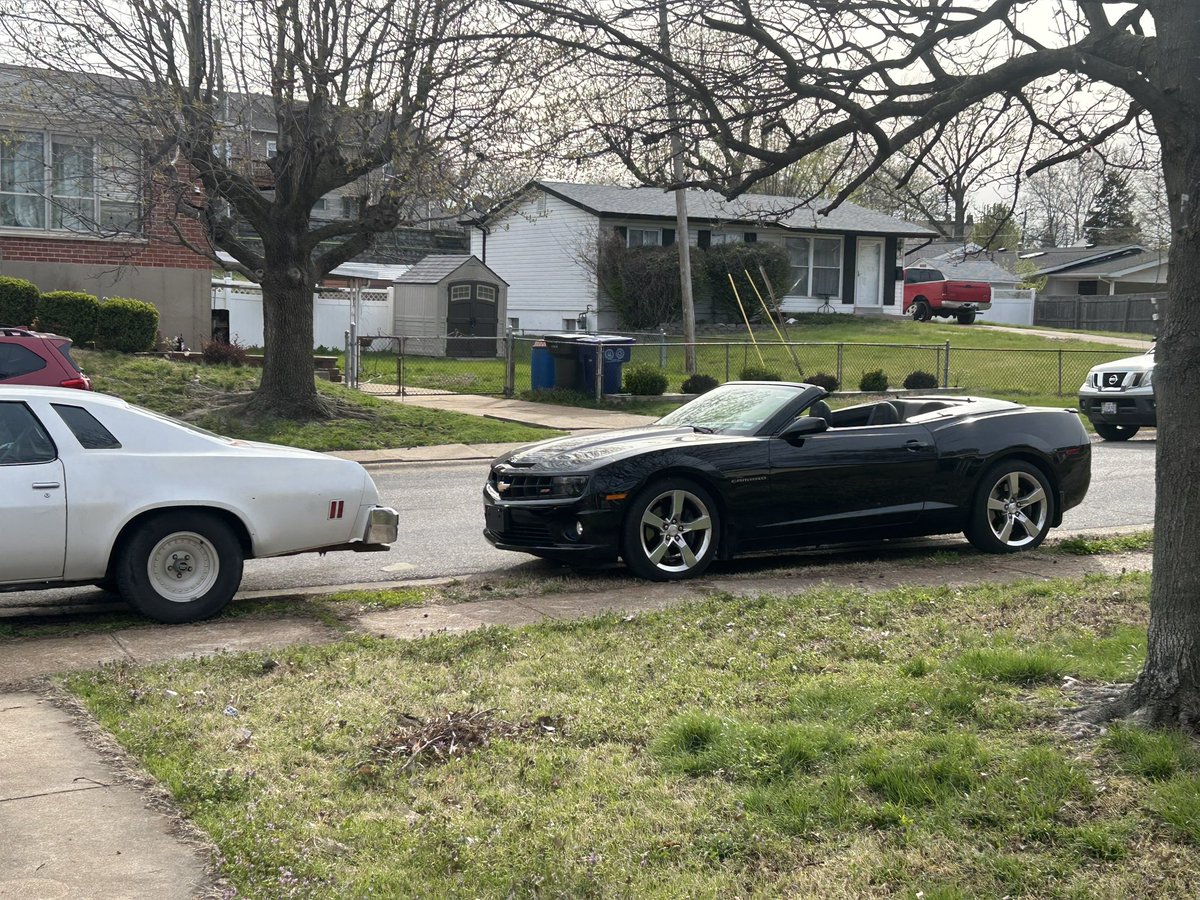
(75, 824)
(1131, 343)
(543, 415)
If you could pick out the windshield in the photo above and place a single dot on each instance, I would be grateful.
(733, 408)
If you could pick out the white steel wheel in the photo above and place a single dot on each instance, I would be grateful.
(1013, 510)
(671, 531)
(183, 566)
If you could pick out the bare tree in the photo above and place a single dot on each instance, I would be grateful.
(888, 76)
(388, 103)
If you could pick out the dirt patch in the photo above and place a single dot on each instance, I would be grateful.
(453, 734)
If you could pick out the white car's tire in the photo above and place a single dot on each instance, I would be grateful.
(180, 567)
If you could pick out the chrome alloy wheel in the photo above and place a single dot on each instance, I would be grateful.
(183, 566)
(676, 531)
(1017, 509)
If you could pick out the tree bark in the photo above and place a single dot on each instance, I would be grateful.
(288, 387)
(1167, 692)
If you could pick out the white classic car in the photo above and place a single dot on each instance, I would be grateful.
(96, 491)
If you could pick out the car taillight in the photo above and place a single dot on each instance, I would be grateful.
(82, 383)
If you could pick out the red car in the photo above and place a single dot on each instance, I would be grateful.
(33, 357)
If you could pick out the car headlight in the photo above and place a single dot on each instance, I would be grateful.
(1148, 379)
(568, 485)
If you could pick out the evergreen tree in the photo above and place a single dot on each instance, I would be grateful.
(1111, 220)
(996, 229)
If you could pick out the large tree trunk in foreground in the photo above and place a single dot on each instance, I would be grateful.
(1168, 690)
(288, 386)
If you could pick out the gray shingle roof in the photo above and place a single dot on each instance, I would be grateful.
(433, 269)
(709, 206)
(1123, 263)
(969, 270)
(1055, 259)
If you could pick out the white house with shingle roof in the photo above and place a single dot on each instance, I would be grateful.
(544, 243)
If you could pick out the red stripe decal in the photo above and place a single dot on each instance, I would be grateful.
(333, 509)
(341, 508)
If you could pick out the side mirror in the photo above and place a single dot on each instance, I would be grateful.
(802, 426)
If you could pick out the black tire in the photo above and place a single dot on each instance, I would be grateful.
(920, 311)
(1012, 508)
(652, 527)
(966, 318)
(197, 550)
(1112, 432)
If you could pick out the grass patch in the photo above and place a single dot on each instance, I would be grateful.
(1117, 543)
(828, 743)
(197, 392)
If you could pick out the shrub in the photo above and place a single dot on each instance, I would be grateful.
(126, 325)
(825, 380)
(18, 301)
(874, 382)
(699, 384)
(643, 282)
(69, 313)
(216, 353)
(759, 373)
(723, 260)
(645, 379)
(919, 380)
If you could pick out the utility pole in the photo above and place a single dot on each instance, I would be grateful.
(681, 215)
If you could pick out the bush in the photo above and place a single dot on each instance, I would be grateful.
(18, 301)
(917, 381)
(825, 380)
(699, 384)
(645, 379)
(759, 373)
(217, 353)
(874, 382)
(643, 282)
(72, 314)
(126, 325)
(723, 260)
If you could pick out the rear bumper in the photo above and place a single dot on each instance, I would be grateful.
(1128, 409)
(965, 305)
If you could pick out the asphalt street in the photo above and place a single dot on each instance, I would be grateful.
(442, 521)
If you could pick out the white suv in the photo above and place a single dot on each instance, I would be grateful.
(1118, 397)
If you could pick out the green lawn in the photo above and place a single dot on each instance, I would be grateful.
(196, 392)
(831, 743)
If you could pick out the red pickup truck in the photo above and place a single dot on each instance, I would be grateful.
(927, 293)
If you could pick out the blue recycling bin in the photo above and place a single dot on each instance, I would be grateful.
(564, 354)
(541, 367)
(614, 351)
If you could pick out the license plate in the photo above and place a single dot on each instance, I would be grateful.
(496, 519)
(1108, 409)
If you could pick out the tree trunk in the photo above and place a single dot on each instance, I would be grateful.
(1168, 690)
(288, 386)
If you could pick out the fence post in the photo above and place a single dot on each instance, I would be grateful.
(400, 366)
(662, 353)
(510, 364)
(346, 375)
(599, 369)
(1060, 372)
(727, 360)
(946, 367)
(839, 365)
(1128, 304)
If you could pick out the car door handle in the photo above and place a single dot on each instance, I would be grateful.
(914, 446)
(45, 485)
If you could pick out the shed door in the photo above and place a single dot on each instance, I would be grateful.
(471, 323)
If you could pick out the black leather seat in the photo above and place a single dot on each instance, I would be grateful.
(821, 410)
(884, 413)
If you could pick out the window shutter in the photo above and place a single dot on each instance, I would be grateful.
(703, 238)
(624, 233)
(751, 237)
(668, 237)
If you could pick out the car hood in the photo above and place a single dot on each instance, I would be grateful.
(1141, 363)
(588, 451)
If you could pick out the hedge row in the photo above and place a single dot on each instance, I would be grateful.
(118, 323)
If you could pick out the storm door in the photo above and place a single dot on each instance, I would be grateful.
(471, 323)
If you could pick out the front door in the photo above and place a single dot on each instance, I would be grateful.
(33, 539)
(849, 480)
(868, 273)
(471, 323)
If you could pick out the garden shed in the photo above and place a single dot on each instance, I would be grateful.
(455, 304)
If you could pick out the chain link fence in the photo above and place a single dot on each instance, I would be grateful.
(502, 366)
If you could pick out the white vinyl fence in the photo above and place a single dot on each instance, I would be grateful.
(1010, 306)
(331, 313)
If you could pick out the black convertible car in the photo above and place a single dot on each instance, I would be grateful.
(762, 465)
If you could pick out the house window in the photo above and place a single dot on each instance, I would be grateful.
(514, 324)
(321, 204)
(272, 149)
(460, 292)
(570, 324)
(485, 292)
(69, 183)
(726, 237)
(644, 237)
(816, 266)
(349, 207)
